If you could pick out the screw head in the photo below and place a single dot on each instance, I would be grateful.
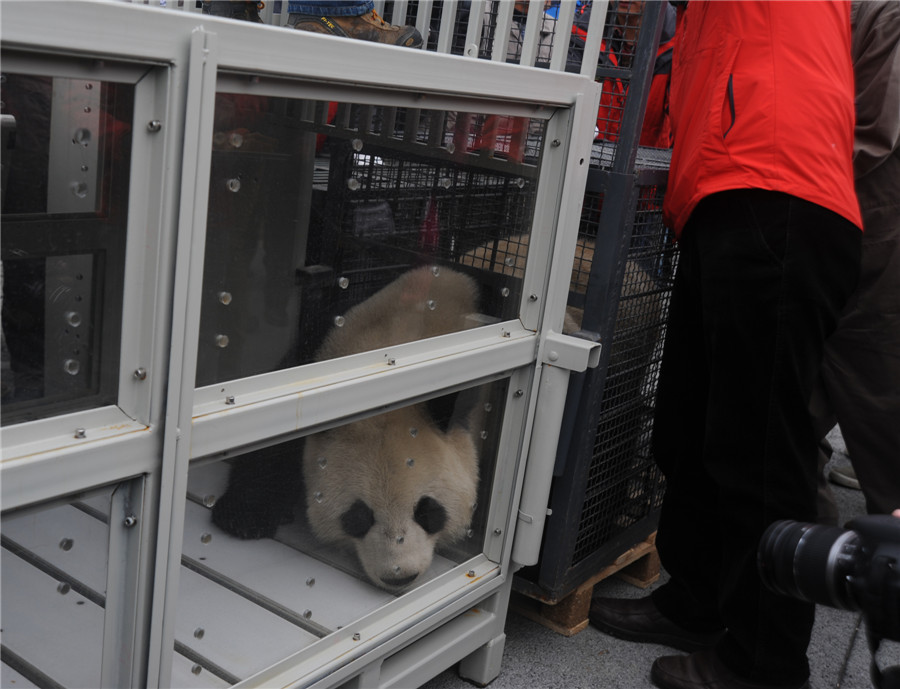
(154, 126)
(140, 373)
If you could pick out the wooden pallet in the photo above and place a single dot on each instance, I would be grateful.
(638, 566)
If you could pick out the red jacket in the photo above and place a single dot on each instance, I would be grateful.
(762, 97)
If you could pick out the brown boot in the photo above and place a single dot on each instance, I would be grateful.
(365, 27)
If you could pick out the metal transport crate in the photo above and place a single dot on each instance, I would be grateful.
(271, 370)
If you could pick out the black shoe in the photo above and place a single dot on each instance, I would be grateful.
(638, 619)
(702, 670)
(365, 27)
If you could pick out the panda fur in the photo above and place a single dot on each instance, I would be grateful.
(394, 487)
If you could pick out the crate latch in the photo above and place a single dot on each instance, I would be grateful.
(562, 354)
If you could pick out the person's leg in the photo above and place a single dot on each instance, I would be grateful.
(861, 371)
(775, 272)
(687, 539)
(337, 8)
(683, 613)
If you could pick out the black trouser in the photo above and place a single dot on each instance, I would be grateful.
(761, 281)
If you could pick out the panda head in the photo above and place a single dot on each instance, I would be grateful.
(393, 488)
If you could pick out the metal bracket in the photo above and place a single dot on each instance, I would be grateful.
(571, 353)
(563, 354)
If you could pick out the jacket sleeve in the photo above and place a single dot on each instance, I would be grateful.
(876, 64)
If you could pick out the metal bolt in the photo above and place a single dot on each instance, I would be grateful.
(196, 669)
(519, 393)
(154, 126)
(307, 614)
(140, 373)
(311, 581)
(229, 399)
(225, 298)
(555, 143)
(498, 531)
(471, 574)
(205, 538)
(80, 433)
(221, 341)
(357, 637)
(391, 362)
(63, 588)
(532, 297)
(129, 521)
(66, 544)
(199, 632)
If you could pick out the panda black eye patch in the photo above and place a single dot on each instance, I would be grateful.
(357, 521)
(430, 515)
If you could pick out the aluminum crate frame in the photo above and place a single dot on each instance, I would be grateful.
(147, 441)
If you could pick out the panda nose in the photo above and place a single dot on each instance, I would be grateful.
(398, 582)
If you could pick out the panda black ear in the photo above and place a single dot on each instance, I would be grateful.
(357, 521)
(430, 515)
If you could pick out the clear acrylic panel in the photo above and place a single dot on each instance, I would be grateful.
(53, 581)
(315, 206)
(66, 147)
(285, 545)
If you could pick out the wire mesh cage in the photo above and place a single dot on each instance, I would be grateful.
(607, 490)
(623, 484)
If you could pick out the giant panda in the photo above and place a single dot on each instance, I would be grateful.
(391, 487)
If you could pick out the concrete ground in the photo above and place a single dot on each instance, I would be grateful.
(537, 658)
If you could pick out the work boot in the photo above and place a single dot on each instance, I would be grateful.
(365, 27)
(245, 11)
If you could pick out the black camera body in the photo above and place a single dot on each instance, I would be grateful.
(853, 569)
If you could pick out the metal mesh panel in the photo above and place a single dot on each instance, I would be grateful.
(623, 484)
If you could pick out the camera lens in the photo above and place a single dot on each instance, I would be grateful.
(809, 561)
